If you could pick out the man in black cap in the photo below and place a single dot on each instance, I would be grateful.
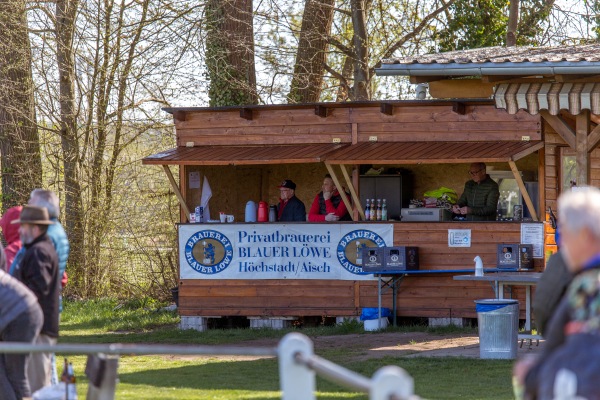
(290, 208)
(38, 270)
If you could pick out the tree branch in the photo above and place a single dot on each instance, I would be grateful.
(390, 51)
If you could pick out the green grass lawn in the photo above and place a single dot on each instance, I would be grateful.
(164, 377)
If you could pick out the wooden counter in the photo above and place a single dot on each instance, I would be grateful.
(418, 296)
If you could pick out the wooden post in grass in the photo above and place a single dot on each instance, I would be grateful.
(101, 371)
(391, 382)
(297, 382)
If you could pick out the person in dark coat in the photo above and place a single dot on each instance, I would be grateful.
(550, 290)
(38, 270)
(568, 366)
(479, 200)
(290, 208)
(328, 204)
(21, 319)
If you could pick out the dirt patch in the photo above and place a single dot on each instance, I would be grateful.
(359, 347)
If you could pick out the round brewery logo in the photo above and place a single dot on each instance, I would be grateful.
(350, 249)
(208, 252)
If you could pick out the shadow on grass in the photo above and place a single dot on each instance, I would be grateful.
(239, 375)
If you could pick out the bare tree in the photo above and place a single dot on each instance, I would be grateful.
(307, 80)
(19, 140)
(513, 21)
(230, 52)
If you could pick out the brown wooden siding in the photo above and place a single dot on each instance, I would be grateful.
(418, 296)
(407, 123)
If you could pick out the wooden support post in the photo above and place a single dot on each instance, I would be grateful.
(524, 192)
(336, 181)
(593, 139)
(582, 158)
(353, 193)
(177, 192)
(561, 127)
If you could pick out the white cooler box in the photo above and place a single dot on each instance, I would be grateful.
(423, 214)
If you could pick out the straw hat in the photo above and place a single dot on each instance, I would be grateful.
(33, 215)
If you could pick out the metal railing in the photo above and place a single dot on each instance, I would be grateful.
(298, 366)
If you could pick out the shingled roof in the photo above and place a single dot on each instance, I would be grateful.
(578, 53)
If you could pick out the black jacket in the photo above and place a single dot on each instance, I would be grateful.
(293, 210)
(38, 270)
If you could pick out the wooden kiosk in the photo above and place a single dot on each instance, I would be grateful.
(244, 152)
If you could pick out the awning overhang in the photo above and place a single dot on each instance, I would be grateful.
(433, 152)
(534, 97)
(244, 155)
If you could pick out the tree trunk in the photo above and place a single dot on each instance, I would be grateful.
(307, 80)
(230, 52)
(65, 26)
(19, 140)
(361, 89)
(513, 21)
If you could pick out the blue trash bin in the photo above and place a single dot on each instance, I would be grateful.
(498, 322)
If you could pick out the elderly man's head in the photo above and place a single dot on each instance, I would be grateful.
(579, 224)
(477, 171)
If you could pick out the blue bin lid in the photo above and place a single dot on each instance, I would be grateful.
(485, 305)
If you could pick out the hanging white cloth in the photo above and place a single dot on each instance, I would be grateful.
(206, 195)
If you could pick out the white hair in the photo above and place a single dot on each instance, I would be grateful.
(580, 209)
(45, 198)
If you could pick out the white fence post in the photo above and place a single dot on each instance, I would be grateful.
(391, 381)
(297, 381)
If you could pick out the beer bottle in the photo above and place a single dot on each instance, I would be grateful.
(373, 210)
(378, 210)
(64, 377)
(368, 211)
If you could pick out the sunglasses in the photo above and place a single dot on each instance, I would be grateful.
(472, 173)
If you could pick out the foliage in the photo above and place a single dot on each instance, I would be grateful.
(483, 23)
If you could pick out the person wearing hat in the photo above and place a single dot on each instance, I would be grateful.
(38, 270)
(290, 208)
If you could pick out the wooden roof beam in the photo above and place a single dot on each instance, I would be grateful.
(336, 182)
(415, 80)
(561, 127)
(594, 138)
(524, 193)
(459, 108)
(386, 108)
(179, 116)
(321, 111)
(246, 113)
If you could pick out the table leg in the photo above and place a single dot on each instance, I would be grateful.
(380, 281)
(500, 291)
(528, 308)
(395, 294)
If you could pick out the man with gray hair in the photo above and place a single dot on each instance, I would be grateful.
(568, 366)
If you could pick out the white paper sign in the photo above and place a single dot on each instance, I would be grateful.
(534, 234)
(194, 180)
(459, 238)
(278, 251)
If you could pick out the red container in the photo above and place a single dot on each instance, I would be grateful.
(263, 212)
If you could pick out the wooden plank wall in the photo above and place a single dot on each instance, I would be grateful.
(553, 144)
(422, 296)
(301, 125)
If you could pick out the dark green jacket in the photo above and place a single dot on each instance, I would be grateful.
(481, 198)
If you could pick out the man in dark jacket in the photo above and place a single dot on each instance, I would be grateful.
(38, 270)
(479, 201)
(328, 204)
(290, 208)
